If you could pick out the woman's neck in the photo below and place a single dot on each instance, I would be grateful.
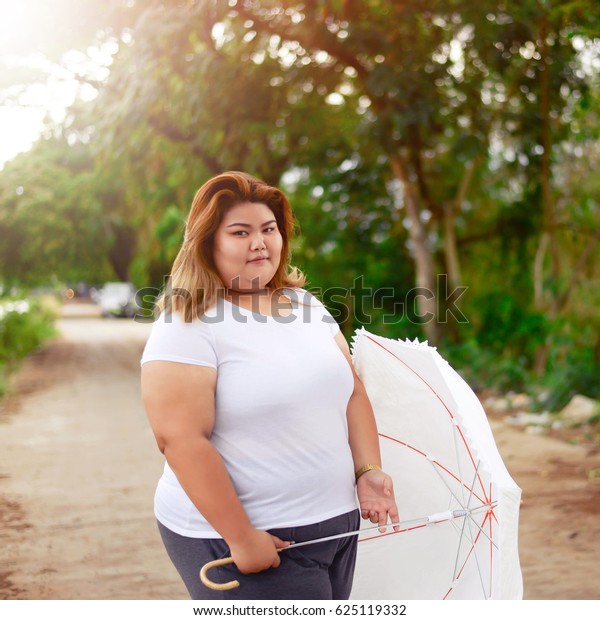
(261, 301)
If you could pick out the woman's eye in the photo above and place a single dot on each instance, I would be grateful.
(240, 233)
(270, 229)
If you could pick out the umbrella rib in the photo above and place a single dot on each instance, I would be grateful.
(472, 540)
(475, 522)
(482, 531)
(477, 562)
(454, 432)
(435, 469)
(462, 486)
(462, 490)
(433, 464)
(483, 500)
(475, 476)
(416, 373)
(462, 530)
(474, 551)
(473, 461)
(491, 551)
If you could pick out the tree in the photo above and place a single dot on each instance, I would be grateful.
(50, 217)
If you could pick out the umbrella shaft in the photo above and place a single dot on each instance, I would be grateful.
(437, 517)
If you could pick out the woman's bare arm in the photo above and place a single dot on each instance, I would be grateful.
(375, 488)
(180, 404)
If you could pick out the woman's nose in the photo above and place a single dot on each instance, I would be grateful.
(258, 242)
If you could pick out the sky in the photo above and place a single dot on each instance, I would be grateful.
(25, 108)
(19, 130)
(37, 73)
(22, 109)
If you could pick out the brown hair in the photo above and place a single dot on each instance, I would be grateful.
(194, 282)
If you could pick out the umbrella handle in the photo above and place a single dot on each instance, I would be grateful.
(229, 585)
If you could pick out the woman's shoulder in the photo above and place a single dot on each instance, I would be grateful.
(302, 296)
(310, 302)
(172, 338)
(174, 324)
(179, 317)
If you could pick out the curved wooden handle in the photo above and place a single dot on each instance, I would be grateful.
(211, 584)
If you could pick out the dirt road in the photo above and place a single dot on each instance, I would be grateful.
(78, 469)
(78, 466)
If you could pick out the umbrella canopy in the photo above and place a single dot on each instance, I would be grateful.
(438, 446)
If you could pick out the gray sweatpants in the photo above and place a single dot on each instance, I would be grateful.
(322, 571)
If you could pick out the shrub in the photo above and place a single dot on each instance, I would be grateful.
(24, 325)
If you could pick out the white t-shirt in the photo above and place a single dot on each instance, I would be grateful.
(282, 390)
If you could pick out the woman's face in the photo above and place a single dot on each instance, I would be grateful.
(247, 247)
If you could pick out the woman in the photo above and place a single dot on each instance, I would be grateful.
(268, 433)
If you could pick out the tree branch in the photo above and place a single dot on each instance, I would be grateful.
(165, 128)
(316, 39)
(416, 152)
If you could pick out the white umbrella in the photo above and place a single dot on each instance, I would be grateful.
(437, 445)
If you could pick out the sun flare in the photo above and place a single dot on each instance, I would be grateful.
(38, 72)
(16, 21)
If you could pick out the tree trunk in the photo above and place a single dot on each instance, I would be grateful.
(427, 299)
(450, 247)
(546, 139)
(548, 239)
(450, 211)
(121, 252)
(538, 272)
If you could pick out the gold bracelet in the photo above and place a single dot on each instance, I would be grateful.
(365, 468)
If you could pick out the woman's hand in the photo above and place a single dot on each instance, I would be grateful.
(376, 497)
(256, 551)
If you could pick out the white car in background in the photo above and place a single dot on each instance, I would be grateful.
(117, 299)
